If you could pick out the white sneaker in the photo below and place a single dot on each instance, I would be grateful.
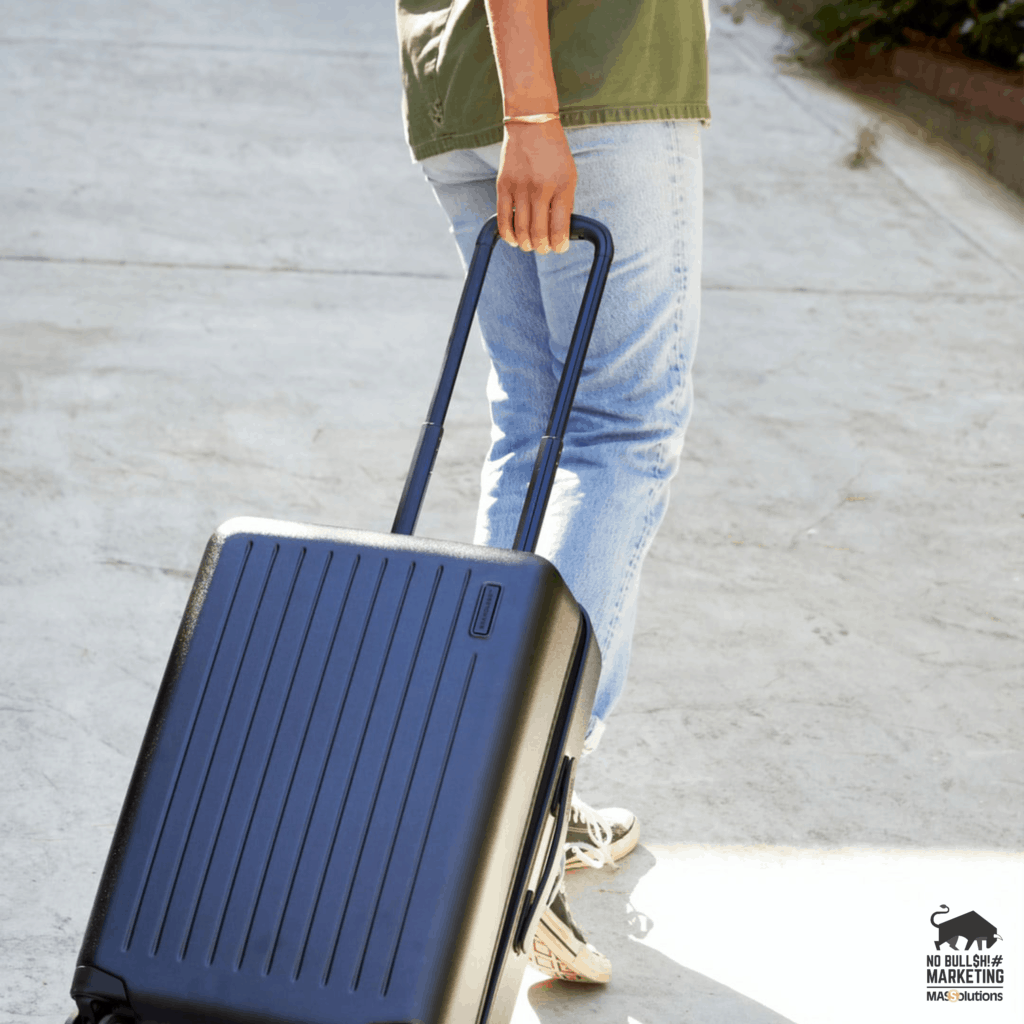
(596, 838)
(560, 950)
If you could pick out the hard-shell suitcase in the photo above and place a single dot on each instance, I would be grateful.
(350, 801)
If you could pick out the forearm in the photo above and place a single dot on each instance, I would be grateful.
(522, 51)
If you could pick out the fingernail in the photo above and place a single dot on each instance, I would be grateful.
(527, 247)
(562, 246)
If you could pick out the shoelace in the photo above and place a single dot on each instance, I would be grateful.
(599, 830)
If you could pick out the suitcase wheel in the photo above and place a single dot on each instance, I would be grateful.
(108, 1018)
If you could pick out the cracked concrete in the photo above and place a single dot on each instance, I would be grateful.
(226, 291)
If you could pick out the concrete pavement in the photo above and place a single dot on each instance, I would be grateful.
(213, 239)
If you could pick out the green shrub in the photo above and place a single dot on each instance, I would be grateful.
(990, 30)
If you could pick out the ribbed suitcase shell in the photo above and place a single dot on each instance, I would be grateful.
(351, 798)
(328, 815)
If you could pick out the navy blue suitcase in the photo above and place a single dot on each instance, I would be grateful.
(350, 801)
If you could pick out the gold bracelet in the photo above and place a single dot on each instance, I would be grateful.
(530, 118)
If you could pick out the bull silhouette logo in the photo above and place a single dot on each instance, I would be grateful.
(973, 927)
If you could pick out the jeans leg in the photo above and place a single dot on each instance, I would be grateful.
(625, 434)
(520, 387)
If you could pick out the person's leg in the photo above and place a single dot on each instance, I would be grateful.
(521, 390)
(626, 431)
(625, 436)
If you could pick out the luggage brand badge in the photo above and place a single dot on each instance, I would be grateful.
(486, 603)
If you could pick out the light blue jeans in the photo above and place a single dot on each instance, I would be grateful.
(626, 430)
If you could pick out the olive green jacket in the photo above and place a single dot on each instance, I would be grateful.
(614, 60)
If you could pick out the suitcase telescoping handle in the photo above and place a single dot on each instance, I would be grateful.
(580, 228)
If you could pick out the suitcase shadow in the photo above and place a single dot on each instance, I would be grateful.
(647, 986)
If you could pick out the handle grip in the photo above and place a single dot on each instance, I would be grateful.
(580, 229)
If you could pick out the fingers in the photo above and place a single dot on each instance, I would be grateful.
(523, 222)
(535, 188)
(505, 217)
(530, 221)
(540, 224)
(558, 220)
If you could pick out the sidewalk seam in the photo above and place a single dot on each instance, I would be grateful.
(168, 265)
(211, 47)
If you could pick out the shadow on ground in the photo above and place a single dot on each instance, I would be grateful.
(647, 986)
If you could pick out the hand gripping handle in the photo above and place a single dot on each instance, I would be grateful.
(580, 229)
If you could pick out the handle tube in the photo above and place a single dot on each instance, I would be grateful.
(422, 466)
(542, 479)
(419, 474)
